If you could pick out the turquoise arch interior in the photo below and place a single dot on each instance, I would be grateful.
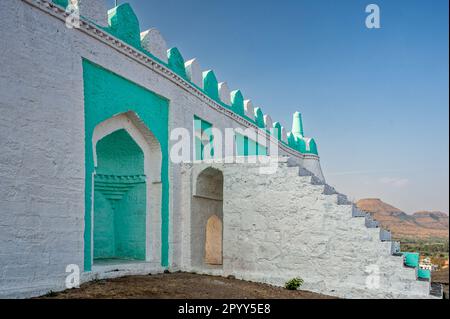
(120, 197)
(106, 95)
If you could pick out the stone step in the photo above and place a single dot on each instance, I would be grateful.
(395, 248)
(291, 161)
(416, 277)
(356, 212)
(436, 290)
(423, 286)
(385, 235)
(328, 190)
(316, 181)
(292, 171)
(371, 223)
(341, 199)
(304, 172)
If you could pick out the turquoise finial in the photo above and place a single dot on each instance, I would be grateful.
(297, 125)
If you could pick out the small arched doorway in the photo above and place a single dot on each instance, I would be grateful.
(207, 219)
(119, 199)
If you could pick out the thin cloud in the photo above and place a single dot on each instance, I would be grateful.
(366, 172)
(394, 181)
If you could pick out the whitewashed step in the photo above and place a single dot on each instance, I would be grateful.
(371, 223)
(437, 290)
(356, 212)
(385, 235)
(395, 248)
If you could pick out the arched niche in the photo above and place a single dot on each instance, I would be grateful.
(207, 219)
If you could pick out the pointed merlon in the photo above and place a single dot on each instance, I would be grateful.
(210, 85)
(312, 146)
(297, 143)
(291, 140)
(176, 62)
(297, 125)
(259, 118)
(276, 130)
(268, 122)
(249, 109)
(124, 24)
(224, 93)
(237, 102)
(194, 72)
(153, 42)
(301, 145)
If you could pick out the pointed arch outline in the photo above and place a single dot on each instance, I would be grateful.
(151, 148)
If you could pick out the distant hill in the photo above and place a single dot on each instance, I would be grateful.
(420, 225)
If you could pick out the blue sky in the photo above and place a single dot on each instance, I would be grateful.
(376, 101)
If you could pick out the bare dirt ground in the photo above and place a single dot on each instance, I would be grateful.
(180, 286)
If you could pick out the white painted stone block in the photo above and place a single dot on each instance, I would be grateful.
(268, 122)
(94, 10)
(153, 42)
(249, 109)
(224, 93)
(194, 72)
(307, 142)
(283, 134)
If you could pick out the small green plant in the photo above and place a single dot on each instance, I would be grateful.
(294, 283)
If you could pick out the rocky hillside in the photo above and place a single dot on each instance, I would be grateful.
(420, 225)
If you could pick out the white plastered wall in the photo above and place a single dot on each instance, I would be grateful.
(296, 230)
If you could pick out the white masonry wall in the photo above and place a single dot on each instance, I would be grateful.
(42, 142)
(295, 230)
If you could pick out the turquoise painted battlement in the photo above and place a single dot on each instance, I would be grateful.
(124, 25)
(411, 259)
